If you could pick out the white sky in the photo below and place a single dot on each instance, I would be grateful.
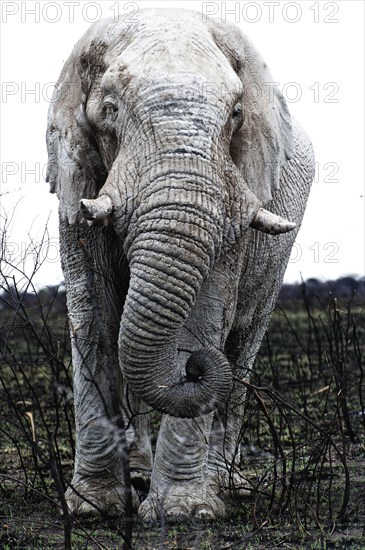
(315, 50)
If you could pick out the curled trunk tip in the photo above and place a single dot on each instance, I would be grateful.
(206, 385)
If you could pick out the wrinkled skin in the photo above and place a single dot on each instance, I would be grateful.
(164, 145)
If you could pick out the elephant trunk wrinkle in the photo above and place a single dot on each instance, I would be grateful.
(172, 244)
(178, 205)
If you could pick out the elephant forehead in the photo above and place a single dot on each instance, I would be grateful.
(183, 52)
(175, 80)
(164, 45)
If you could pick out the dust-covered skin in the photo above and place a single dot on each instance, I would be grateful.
(182, 184)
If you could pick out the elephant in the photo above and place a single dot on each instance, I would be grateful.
(182, 182)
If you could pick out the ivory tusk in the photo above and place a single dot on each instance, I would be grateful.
(96, 209)
(271, 223)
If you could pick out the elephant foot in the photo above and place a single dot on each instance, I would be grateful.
(226, 483)
(180, 505)
(93, 497)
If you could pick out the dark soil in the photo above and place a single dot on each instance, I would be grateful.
(302, 438)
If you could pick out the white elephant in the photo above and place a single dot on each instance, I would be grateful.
(176, 174)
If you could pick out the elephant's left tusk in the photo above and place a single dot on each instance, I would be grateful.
(96, 209)
(271, 223)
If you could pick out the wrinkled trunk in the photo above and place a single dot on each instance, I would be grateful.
(174, 237)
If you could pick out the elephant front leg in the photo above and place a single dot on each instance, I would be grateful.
(179, 490)
(98, 481)
(255, 302)
(224, 475)
(96, 282)
(113, 458)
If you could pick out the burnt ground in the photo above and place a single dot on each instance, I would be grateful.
(302, 438)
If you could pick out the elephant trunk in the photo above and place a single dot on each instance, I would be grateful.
(172, 242)
(152, 320)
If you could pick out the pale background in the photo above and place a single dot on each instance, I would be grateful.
(315, 51)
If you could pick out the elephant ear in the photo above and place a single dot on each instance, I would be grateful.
(264, 143)
(75, 169)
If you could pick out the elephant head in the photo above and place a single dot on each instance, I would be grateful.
(163, 127)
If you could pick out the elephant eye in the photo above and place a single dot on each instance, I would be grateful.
(237, 117)
(237, 111)
(110, 109)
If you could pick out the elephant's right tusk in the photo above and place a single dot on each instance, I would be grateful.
(96, 209)
(271, 223)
